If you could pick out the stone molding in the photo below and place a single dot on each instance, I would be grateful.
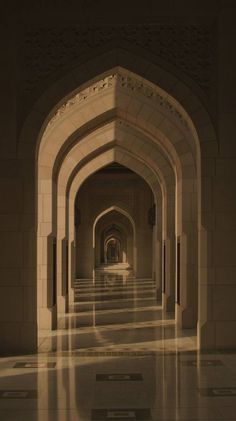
(124, 81)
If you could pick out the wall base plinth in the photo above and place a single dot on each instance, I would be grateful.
(18, 338)
(185, 317)
(168, 303)
(62, 304)
(47, 318)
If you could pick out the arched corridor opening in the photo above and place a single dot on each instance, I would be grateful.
(121, 118)
(118, 211)
(115, 192)
(119, 172)
(146, 150)
(112, 250)
(114, 229)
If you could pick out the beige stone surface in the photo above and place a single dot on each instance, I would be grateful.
(166, 112)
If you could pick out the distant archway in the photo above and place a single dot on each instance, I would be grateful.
(117, 224)
(112, 250)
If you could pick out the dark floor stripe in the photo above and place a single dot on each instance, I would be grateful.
(32, 364)
(118, 377)
(202, 363)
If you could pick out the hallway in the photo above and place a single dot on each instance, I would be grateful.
(118, 211)
(117, 356)
(116, 312)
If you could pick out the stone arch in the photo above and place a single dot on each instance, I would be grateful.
(201, 119)
(105, 224)
(117, 209)
(116, 154)
(107, 246)
(124, 134)
(117, 232)
(130, 225)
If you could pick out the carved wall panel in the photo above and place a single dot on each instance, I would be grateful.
(44, 51)
(189, 47)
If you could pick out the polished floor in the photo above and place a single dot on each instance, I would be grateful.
(117, 356)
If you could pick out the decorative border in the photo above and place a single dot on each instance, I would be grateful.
(121, 80)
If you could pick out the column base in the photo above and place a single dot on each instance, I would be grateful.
(185, 318)
(62, 304)
(159, 294)
(47, 318)
(168, 303)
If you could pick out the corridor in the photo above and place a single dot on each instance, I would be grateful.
(116, 312)
(118, 211)
(115, 356)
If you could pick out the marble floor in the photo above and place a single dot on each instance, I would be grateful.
(117, 356)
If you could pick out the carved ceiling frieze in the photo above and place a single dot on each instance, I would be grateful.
(45, 50)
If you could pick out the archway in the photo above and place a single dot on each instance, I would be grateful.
(187, 309)
(112, 250)
(187, 305)
(110, 224)
(173, 132)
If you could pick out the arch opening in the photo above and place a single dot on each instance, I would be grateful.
(115, 192)
(174, 139)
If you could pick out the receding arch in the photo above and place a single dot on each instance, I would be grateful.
(108, 210)
(114, 224)
(150, 121)
(113, 242)
(35, 126)
(111, 211)
(123, 157)
(187, 94)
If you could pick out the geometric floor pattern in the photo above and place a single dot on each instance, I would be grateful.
(117, 356)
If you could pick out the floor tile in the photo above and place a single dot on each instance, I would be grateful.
(120, 414)
(119, 377)
(117, 355)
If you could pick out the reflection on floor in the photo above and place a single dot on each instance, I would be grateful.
(116, 312)
(117, 356)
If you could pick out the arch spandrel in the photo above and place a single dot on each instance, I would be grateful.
(122, 80)
(184, 90)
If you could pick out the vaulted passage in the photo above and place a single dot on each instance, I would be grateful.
(122, 258)
(114, 223)
(118, 210)
(118, 185)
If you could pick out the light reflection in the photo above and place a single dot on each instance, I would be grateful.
(137, 325)
(169, 388)
(116, 311)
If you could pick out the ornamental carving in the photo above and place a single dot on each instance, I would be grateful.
(45, 51)
(123, 81)
(82, 96)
